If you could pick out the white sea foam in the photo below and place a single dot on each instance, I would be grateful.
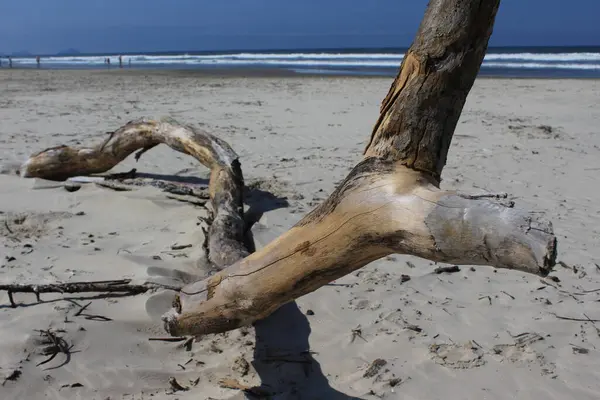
(565, 61)
(532, 65)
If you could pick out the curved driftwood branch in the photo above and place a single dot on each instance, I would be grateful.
(226, 185)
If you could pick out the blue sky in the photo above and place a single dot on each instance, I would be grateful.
(48, 26)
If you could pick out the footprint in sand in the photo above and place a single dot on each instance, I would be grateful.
(463, 356)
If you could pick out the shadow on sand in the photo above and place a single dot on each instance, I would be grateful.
(282, 355)
(283, 359)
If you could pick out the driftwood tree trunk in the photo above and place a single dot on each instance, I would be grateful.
(389, 203)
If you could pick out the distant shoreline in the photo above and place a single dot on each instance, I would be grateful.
(507, 62)
(256, 73)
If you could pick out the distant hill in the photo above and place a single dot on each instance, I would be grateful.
(68, 52)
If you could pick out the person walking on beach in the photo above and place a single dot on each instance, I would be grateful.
(9, 62)
(120, 61)
(37, 60)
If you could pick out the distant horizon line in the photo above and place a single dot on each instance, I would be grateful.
(77, 52)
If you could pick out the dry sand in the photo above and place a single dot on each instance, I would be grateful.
(475, 334)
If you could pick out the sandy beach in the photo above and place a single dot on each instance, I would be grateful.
(392, 330)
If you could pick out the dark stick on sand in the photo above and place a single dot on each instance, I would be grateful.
(115, 286)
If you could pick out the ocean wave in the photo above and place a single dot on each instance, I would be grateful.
(550, 57)
(513, 65)
(572, 61)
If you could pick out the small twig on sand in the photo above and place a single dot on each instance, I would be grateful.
(564, 265)
(187, 345)
(496, 196)
(486, 297)
(581, 293)
(116, 286)
(357, 332)
(8, 227)
(592, 322)
(82, 308)
(187, 199)
(167, 339)
(484, 196)
(508, 294)
(587, 319)
(180, 246)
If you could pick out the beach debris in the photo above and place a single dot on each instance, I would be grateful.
(122, 286)
(176, 386)
(241, 366)
(586, 319)
(71, 385)
(82, 308)
(525, 339)
(187, 345)
(168, 339)
(412, 327)
(374, 368)
(54, 344)
(393, 382)
(13, 376)
(357, 332)
(508, 294)
(447, 270)
(579, 349)
(180, 246)
(187, 199)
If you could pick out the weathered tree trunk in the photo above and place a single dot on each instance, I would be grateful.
(422, 108)
(389, 203)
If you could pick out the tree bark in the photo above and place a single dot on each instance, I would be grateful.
(420, 112)
(389, 203)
